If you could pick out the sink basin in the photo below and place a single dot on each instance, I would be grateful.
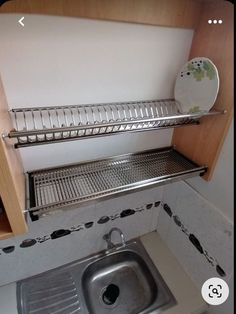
(122, 280)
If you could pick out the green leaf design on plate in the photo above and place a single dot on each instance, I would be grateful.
(210, 70)
(194, 109)
(198, 74)
(206, 70)
(190, 67)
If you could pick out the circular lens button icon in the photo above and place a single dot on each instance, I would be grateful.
(215, 291)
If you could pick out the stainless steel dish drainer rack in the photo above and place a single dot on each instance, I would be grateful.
(70, 186)
(44, 125)
(73, 185)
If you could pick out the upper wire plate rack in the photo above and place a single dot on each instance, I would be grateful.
(42, 125)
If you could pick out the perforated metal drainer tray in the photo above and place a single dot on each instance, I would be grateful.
(68, 186)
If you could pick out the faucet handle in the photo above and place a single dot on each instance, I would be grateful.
(107, 238)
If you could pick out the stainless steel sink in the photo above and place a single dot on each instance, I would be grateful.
(120, 283)
(122, 280)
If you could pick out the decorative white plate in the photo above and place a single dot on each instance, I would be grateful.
(197, 85)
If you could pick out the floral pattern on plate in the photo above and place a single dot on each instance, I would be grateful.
(197, 85)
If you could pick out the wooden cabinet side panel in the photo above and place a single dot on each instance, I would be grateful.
(173, 13)
(5, 228)
(203, 143)
(12, 180)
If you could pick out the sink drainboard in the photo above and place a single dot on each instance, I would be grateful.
(57, 294)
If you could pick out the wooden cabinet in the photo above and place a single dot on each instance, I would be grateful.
(5, 228)
(170, 13)
(201, 143)
(12, 180)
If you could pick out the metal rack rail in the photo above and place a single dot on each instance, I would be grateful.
(73, 185)
(44, 125)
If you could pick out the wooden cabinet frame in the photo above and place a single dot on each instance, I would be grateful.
(12, 180)
(201, 144)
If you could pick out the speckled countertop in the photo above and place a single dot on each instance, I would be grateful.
(189, 300)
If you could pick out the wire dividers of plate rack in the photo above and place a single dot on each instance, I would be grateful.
(41, 125)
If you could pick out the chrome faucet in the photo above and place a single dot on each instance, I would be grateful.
(107, 238)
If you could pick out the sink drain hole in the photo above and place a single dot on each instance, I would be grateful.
(111, 294)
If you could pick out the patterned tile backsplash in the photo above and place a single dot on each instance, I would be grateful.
(196, 232)
(64, 237)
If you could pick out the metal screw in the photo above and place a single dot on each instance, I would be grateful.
(4, 135)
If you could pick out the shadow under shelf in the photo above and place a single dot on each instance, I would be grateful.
(45, 125)
(74, 185)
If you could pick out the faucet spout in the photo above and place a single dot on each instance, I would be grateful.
(107, 238)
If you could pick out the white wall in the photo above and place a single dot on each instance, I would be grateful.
(59, 60)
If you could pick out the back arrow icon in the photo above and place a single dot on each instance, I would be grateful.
(21, 21)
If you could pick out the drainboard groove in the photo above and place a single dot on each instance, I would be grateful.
(75, 311)
(52, 296)
(56, 304)
(52, 289)
(64, 309)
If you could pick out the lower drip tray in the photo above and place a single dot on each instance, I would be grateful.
(72, 185)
